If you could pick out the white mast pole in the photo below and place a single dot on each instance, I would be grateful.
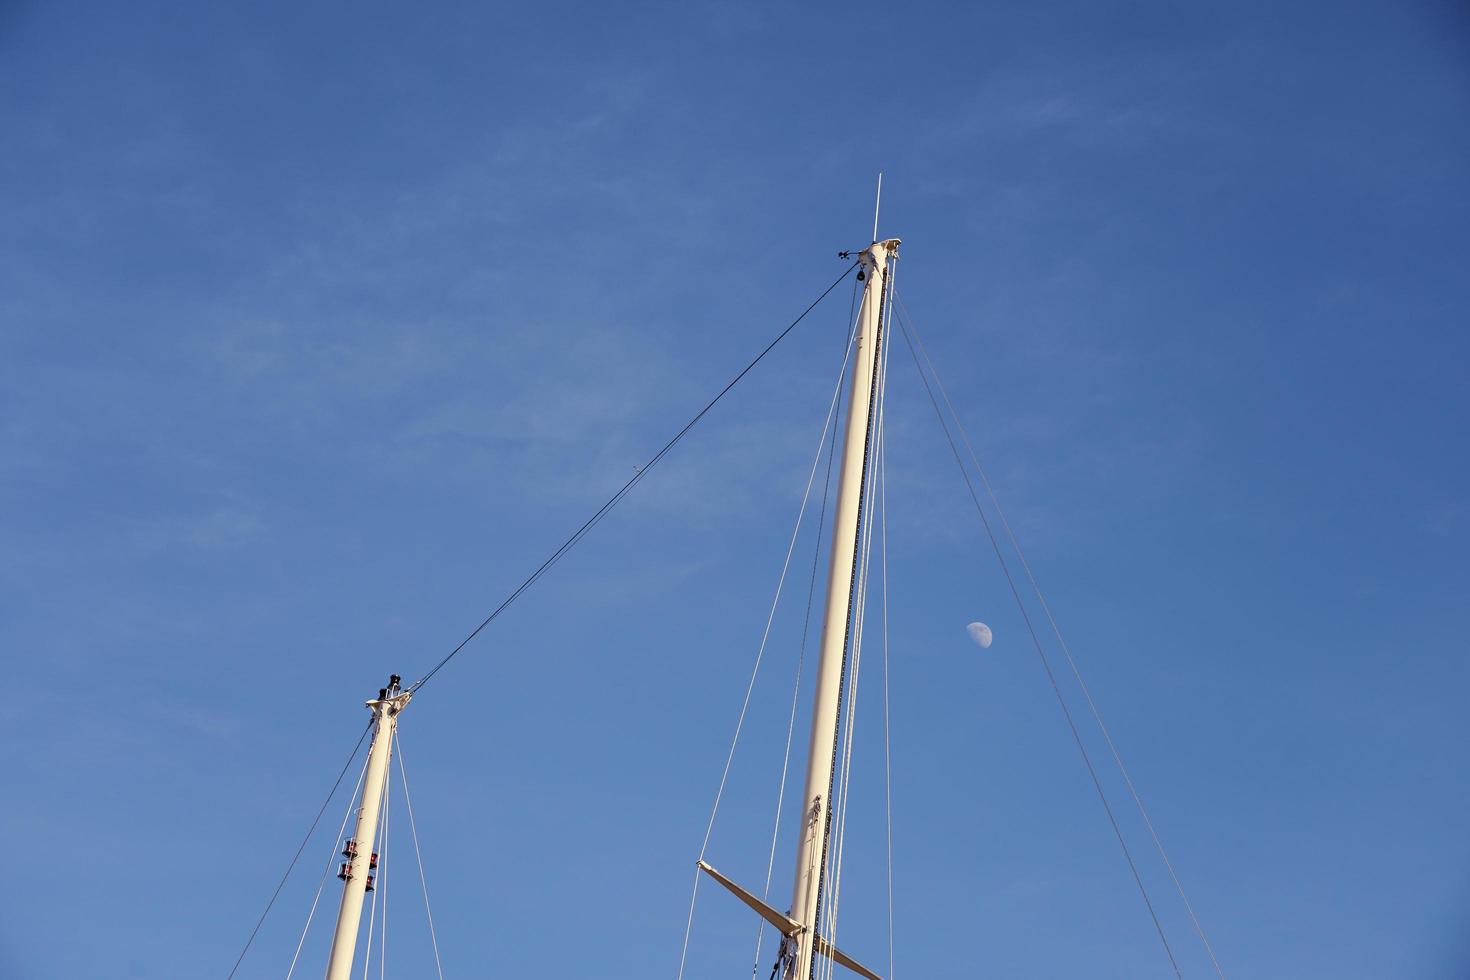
(357, 871)
(811, 853)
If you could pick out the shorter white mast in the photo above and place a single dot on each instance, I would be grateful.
(362, 860)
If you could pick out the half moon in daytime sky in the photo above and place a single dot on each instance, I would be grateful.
(980, 633)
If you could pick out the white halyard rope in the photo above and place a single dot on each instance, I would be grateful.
(418, 854)
(843, 795)
(760, 655)
(367, 955)
(382, 880)
(331, 860)
(801, 656)
(859, 600)
(887, 728)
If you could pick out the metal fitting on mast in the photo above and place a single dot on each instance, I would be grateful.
(393, 698)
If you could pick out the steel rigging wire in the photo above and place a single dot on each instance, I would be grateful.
(852, 588)
(417, 853)
(1061, 641)
(531, 580)
(297, 856)
(613, 501)
(326, 871)
(827, 426)
(806, 622)
(1041, 652)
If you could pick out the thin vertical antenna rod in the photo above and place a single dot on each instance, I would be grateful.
(357, 871)
(876, 204)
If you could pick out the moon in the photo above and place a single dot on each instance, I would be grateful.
(980, 633)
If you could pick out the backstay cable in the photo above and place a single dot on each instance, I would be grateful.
(1041, 652)
(1061, 642)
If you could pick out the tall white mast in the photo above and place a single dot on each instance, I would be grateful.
(357, 872)
(800, 927)
(811, 852)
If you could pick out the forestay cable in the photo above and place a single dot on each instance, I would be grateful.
(1041, 653)
(613, 501)
(1062, 642)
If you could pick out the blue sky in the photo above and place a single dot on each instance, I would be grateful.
(321, 325)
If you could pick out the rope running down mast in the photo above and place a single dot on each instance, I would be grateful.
(331, 861)
(806, 622)
(859, 604)
(418, 855)
(297, 856)
(878, 341)
(765, 637)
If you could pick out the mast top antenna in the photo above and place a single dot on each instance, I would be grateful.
(876, 203)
